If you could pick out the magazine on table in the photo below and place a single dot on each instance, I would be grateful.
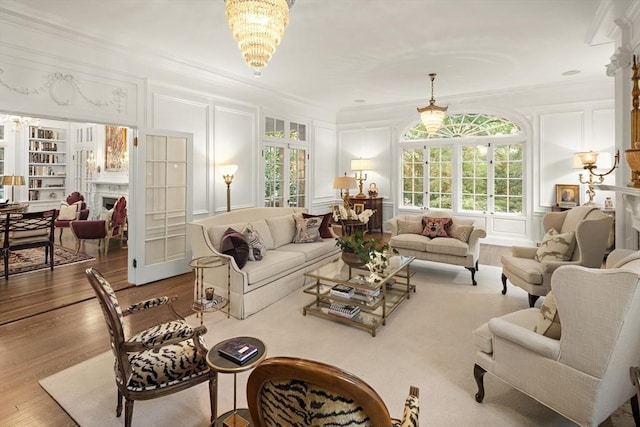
(344, 310)
(238, 350)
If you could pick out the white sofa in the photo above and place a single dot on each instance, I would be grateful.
(407, 240)
(259, 283)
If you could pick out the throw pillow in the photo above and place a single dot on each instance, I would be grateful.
(233, 243)
(325, 231)
(435, 227)
(556, 246)
(68, 212)
(257, 247)
(460, 231)
(410, 226)
(307, 230)
(549, 320)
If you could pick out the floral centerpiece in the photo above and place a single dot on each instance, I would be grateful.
(341, 213)
(358, 251)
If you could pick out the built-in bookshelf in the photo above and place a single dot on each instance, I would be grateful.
(47, 164)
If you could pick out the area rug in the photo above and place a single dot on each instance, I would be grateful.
(28, 260)
(426, 342)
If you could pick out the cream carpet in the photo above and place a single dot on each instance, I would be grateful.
(426, 342)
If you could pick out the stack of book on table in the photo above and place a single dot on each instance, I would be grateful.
(342, 291)
(238, 350)
(366, 296)
(344, 310)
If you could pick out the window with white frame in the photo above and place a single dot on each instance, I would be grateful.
(473, 163)
(285, 163)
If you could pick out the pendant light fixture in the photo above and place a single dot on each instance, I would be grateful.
(257, 26)
(432, 115)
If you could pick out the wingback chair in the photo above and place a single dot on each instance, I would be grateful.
(158, 361)
(294, 392)
(590, 229)
(64, 218)
(583, 375)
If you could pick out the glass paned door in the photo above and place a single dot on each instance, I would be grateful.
(2, 170)
(285, 176)
(165, 203)
(274, 176)
(297, 181)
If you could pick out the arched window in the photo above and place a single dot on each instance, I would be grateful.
(474, 162)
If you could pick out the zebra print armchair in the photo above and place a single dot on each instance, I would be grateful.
(298, 392)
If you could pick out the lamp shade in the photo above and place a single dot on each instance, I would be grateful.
(12, 180)
(228, 169)
(360, 164)
(342, 182)
(585, 158)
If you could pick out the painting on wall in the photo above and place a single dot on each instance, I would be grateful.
(115, 149)
(567, 195)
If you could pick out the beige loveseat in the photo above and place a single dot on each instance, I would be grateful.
(407, 239)
(583, 375)
(259, 283)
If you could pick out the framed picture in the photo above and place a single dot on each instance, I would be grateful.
(567, 195)
(115, 148)
(358, 208)
(336, 211)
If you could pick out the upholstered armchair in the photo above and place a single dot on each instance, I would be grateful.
(102, 230)
(74, 209)
(158, 361)
(290, 391)
(583, 375)
(577, 236)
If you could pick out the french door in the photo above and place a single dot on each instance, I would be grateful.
(285, 175)
(162, 200)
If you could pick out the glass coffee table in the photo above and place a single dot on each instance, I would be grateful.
(338, 285)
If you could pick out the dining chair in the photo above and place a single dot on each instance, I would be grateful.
(28, 230)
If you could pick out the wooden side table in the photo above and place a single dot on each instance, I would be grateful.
(373, 203)
(236, 417)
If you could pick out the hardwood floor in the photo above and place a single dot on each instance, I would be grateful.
(42, 343)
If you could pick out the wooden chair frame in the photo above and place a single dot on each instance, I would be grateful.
(19, 232)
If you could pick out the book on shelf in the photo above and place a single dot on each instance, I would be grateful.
(344, 310)
(342, 291)
(238, 350)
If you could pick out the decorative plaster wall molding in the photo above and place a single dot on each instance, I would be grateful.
(63, 88)
(619, 60)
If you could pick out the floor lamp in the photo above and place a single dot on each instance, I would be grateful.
(227, 175)
(12, 180)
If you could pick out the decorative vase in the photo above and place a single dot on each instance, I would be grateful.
(352, 259)
(632, 156)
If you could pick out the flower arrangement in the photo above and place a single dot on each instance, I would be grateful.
(378, 263)
(342, 213)
(368, 250)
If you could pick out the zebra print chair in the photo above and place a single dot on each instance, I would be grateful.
(298, 392)
(158, 361)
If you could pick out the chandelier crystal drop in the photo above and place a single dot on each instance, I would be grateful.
(257, 26)
(432, 115)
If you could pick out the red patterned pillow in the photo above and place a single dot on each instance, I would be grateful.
(435, 227)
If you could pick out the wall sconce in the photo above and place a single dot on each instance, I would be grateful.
(360, 165)
(227, 175)
(587, 160)
(12, 180)
(344, 183)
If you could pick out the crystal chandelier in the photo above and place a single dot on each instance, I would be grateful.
(257, 26)
(432, 116)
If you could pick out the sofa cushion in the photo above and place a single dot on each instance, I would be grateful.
(548, 323)
(275, 262)
(527, 269)
(414, 242)
(256, 243)
(410, 225)
(556, 246)
(307, 229)
(447, 246)
(311, 251)
(216, 232)
(325, 231)
(234, 243)
(263, 230)
(460, 231)
(282, 229)
(436, 227)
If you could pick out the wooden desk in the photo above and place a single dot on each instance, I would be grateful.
(373, 203)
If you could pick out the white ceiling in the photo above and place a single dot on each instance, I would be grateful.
(379, 51)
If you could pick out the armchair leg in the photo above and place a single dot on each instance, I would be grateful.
(478, 374)
(119, 404)
(635, 410)
(504, 284)
(473, 275)
(128, 412)
(533, 299)
(213, 396)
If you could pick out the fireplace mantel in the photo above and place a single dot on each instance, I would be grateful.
(631, 197)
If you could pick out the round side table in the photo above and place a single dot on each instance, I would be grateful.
(201, 303)
(236, 417)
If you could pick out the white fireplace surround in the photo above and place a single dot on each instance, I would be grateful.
(105, 191)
